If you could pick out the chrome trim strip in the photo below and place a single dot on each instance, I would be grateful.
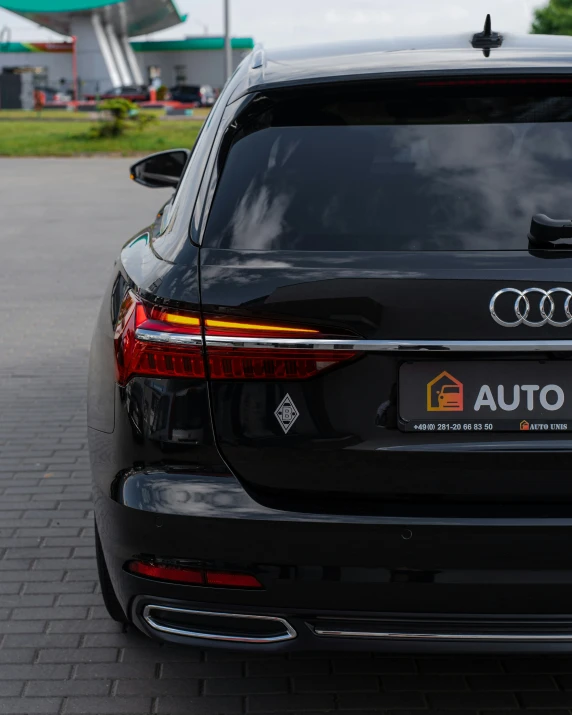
(157, 336)
(398, 635)
(164, 338)
(288, 635)
(394, 345)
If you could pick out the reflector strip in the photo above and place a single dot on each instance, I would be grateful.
(233, 580)
(193, 576)
(166, 573)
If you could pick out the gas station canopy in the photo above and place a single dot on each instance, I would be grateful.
(128, 17)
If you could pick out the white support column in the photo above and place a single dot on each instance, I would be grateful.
(120, 62)
(132, 60)
(228, 68)
(106, 51)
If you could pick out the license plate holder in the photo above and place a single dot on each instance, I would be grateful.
(485, 396)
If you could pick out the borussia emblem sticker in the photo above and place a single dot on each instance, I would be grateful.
(287, 413)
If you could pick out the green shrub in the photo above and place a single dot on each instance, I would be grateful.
(162, 93)
(119, 116)
(553, 19)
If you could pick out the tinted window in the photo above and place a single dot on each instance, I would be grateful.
(436, 173)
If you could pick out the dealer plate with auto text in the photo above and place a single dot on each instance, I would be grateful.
(488, 396)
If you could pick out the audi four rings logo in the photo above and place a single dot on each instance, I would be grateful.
(548, 301)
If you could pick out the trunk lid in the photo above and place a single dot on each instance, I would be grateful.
(348, 439)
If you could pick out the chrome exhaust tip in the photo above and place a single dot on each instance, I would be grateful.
(215, 626)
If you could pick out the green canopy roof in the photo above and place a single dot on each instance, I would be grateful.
(47, 6)
(192, 43)
(141, 16)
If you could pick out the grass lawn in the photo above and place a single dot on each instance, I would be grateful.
(51, 114)
(32, 116)
(53, 138)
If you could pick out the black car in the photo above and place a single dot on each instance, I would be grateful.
(201, 95)
(330, 391)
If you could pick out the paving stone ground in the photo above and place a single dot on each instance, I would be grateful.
(61, 224)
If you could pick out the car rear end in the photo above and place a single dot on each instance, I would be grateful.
(186, 94)
(358, 434)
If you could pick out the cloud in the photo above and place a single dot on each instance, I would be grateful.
(279, 24)
(359, 17)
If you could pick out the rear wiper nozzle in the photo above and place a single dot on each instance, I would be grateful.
(545, 230)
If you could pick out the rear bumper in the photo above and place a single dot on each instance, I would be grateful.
(327, 630)
(425, 578)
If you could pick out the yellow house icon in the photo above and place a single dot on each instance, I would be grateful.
(445, 394)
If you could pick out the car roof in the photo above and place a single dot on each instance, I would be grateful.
(400, 57)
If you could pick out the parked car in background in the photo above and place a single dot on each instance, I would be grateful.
(135, 93)
(54, 96)
(203, 95)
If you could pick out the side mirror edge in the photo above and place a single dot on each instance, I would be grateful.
(161, 170)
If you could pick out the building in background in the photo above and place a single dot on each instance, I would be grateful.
(106, 57)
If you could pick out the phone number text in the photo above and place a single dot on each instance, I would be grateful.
(453, 427)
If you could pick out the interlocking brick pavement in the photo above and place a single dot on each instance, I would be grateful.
(62, 224)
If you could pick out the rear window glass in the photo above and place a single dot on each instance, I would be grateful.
(417, 170)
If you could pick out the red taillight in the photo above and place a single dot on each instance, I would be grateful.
(164, 342)
(193, 576)
(280, 360)
(150, 352)
(275, 364)
(232, 580)
(167, 573)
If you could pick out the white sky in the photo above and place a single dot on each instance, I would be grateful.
(278, 23)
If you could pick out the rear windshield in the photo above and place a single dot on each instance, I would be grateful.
(452, 168)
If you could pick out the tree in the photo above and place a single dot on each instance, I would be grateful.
(554, 19)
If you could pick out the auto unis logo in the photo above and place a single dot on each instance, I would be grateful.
(445, 394)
